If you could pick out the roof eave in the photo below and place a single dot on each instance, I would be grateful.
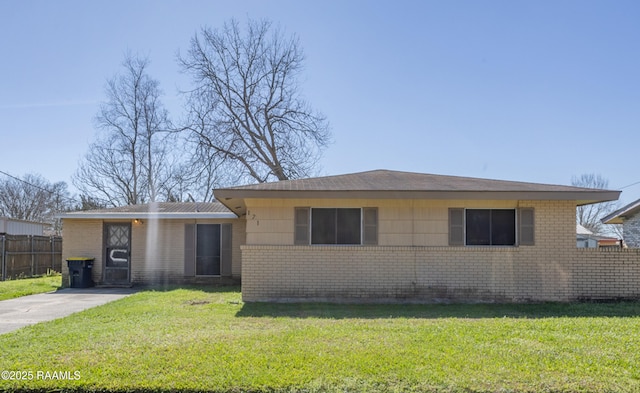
(145, 215)
(618, 216)
(234, 199)
(612, 219)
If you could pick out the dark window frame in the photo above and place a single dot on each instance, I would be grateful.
(339, 226)
(522, 218)
(490, 227)
(336, 226)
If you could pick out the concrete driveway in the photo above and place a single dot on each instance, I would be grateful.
(28, 310)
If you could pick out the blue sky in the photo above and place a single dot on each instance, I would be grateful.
(534, 91)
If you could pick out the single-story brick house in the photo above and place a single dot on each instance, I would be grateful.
(371, 236)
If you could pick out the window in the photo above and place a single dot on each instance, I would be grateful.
(208, 250)
(491, 227)
(335, 226)
(485, 227)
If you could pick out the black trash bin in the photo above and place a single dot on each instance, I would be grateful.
(80, 272)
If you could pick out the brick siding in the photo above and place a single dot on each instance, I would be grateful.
(157, 249)
(631, 230)
(432, 274)
(414, 263)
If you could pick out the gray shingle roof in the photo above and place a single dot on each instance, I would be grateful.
(158, 209)
(169, 207)
(385, 184)
(385, 180)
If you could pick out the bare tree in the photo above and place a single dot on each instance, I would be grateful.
(33, 198)
(90, 203)
(24, 199)
(589, 216)
(204, 170)
(131, 162)
(59, 201)
(246, 105)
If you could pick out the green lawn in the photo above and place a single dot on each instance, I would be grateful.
(29, 286)
(210, 341)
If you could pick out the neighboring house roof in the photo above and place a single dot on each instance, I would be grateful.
(583, 233)
(618, 216)
(387, 184)
(580, 230)
(165, 210)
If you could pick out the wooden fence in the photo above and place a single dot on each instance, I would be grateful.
(26, 256)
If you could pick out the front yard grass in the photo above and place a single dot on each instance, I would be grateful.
(29, 286)
(196, 340)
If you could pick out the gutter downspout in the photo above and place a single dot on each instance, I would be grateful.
(413, 246)
(4, 259)
(34, 268)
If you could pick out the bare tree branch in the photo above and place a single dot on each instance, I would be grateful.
(33, 198)
(246, 105)
(132, 160)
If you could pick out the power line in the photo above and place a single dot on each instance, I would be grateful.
(26, 182)
(56, 193)
(632, 184)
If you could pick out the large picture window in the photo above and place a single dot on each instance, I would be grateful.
(336, 226)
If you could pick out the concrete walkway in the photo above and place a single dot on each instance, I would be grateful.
(29, 310)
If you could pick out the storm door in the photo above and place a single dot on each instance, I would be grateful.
(208, 250)
(117, 240)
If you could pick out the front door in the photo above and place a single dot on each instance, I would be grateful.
(117, 240)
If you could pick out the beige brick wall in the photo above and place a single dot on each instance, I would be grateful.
(157, 248)
(387, 272)
(294, 273)
(413, 260)
(400, 222)
(82, 238)
(606, 273)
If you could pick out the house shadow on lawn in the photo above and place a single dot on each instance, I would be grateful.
(626, 309)
(194, 287)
